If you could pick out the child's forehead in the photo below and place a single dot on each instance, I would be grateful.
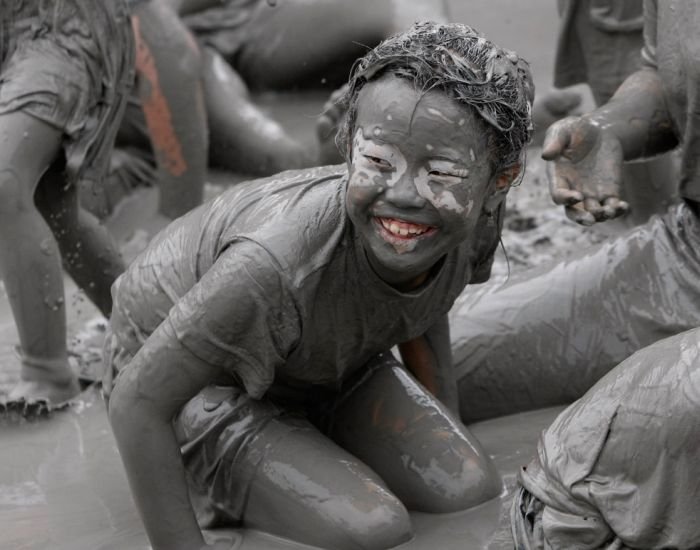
(393, 110)
(400, 93)
(399, 97)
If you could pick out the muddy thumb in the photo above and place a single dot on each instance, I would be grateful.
(553, 145)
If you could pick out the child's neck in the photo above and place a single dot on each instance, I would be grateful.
(412, 284)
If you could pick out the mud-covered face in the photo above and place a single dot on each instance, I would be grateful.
(418, 177)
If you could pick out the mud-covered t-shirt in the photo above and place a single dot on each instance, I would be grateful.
(270, 282)
(624, 460)
(672, 46)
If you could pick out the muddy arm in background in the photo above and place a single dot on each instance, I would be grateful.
(168, 69)
(588, 151)
(429, 359)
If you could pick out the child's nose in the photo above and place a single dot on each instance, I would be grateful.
(403, 194)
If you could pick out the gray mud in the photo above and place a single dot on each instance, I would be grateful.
(62, 487)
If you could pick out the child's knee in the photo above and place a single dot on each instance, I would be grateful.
(449, 482)
(375, 527)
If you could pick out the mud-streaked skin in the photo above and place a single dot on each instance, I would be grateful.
(419, 177)
(588, 151)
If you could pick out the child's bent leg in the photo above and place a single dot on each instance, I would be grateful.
(424, 454)
(30, 263)
(88, 251)
(251, 462)
(168, 66)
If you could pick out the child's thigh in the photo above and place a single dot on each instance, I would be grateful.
(424, 454)
(248, 460)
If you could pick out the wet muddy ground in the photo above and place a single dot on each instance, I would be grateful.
(62, 485)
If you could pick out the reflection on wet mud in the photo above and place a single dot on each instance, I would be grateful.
(62, 486)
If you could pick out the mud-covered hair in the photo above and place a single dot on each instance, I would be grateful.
(471, 70)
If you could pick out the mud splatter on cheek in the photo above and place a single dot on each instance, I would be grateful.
(442, 199)
(363, 146)
(400, 169)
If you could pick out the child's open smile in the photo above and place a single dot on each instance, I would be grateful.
(419, 175)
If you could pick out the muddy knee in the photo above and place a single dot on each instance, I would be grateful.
(339, 523)
(343, 506)
(424, 455)
(385, 527)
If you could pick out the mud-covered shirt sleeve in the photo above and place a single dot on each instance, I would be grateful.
(240, 316)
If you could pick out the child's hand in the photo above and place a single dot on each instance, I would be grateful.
(586, 170)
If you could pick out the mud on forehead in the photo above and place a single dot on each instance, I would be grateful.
(394, 101)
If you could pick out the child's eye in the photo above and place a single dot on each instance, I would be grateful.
(377, 161)
(454, 176)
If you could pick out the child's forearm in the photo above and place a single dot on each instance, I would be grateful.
(429, 358)
(153, 463)
(638, 116)
(156, 384)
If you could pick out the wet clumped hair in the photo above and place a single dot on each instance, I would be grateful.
(468, 68)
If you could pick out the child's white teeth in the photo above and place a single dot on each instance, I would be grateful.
(402, 230)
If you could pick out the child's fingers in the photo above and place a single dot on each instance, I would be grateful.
(615, 207)
(596, 209)
(560, 189)
(579, 214)
(556, 140)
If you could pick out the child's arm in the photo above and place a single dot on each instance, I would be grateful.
(429, 358)
(224, 326)
(162, 377)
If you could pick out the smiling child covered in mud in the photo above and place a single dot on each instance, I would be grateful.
(249, 357)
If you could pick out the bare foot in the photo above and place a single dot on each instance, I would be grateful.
(327, 128)
(35, 397)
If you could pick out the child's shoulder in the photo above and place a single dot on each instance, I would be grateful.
(288, 196)
(292, 214)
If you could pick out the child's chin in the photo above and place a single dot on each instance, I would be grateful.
(403, 266)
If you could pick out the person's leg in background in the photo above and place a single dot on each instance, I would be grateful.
(169, 86)
(30, 262)
(89, 252)
(545, 337)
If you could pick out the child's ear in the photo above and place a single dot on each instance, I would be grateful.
(501, 186)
